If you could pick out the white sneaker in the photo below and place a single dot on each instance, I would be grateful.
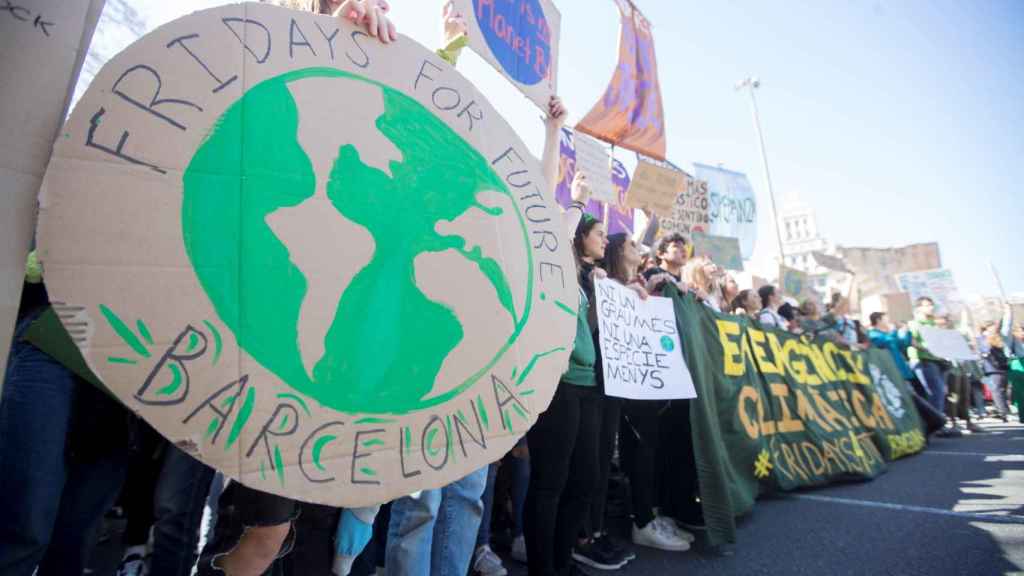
(519, 549)
(487, 563)
(653, 536)
(669, 525)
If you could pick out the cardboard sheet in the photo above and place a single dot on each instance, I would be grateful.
(323, 265)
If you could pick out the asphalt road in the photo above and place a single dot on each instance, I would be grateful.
(957, 508)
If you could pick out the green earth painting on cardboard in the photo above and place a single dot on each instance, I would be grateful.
(376, 179)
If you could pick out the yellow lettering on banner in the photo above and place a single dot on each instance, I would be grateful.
(787, 423)
(812, 378)
(820, 366)
(834, 453)
(810, 449)
(745, 347)
(858, 408)
(797, 368)
(881, 414)
(841, 397)
(757, 337)
(731, 357)
(857, 362)
(806, 412)
(848, 446)
(830, 350)
(825, 409)
(767, 426)
(792, 458)
(747, 395)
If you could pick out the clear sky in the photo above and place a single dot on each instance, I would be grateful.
(898, 121)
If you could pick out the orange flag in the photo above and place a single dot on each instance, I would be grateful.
(630, 114)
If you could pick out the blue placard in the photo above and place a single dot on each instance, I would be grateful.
(518, 35)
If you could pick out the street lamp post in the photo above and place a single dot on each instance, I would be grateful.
(752, 84)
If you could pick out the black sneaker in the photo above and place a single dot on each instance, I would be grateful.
(606, 542)
(595, 556)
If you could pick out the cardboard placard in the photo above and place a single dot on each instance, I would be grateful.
(655, 187)
(639, 343)
(935, 284)
(594, 161)
(520, 39)
(44, 44)
(690, 211)
(948, 344)
(722, 250)
(796, 284)
(300, 262)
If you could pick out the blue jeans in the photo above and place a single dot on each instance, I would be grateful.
(483, 535)
(50, 510)
(432, 532)
(178, 508)
(930, 374)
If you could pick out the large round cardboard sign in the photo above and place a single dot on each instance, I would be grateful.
(323, 265)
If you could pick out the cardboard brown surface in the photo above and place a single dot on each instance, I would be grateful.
(44, 43)
(723, 250)
(655, 187)
(796, 284)
(689, 214)
(520, 39)
(325, 266)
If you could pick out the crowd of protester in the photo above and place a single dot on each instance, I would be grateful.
(72, 458)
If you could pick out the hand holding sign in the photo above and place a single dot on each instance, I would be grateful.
(372, 14)
(454, 23)
(580, 189)
(640, 345)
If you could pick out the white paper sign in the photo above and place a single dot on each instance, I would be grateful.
(640, 346)
(948, 344)
(593, 159)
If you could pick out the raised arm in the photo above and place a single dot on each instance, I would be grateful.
(1007, 327)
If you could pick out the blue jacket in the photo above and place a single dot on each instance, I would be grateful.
(896, 345)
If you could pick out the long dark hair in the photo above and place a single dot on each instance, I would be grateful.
(740, 301)
(586, 225)
(612, 262)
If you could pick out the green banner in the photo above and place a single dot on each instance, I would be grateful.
(775, 411)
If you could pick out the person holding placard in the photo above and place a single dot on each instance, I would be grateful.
(1016, 373)
(254, 527)
(621, 261)
(929, 368)
(996, 365)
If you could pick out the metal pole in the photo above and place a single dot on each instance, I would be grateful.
(753, 83)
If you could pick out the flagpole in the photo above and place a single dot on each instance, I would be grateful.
(999, 281)
(752, 84)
